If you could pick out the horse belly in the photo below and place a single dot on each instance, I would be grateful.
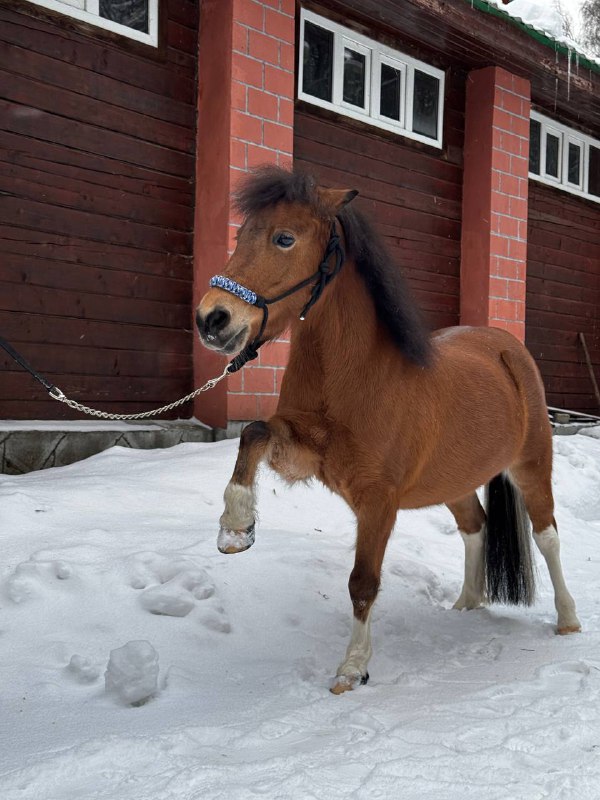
(465, 457)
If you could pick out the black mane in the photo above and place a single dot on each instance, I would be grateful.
(394, 304)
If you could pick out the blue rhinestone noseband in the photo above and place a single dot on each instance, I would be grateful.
(221, 282)
(319, 279)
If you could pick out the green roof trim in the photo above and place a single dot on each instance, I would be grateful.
(534, 33)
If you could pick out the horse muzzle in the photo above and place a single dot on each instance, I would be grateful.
(219, 332)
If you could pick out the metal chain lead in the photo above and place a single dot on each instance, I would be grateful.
(56, 394)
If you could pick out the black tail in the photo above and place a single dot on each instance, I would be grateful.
(508, 562)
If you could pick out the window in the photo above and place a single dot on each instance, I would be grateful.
(366, 80)
(564, 157)
(553, 149)
(574, 163)
(535, 138)
(136, 19)
(392, 78)
(355, 91)
(594, 171)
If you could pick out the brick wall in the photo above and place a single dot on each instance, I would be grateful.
(263, 58)
(245, 118)
(495, 191)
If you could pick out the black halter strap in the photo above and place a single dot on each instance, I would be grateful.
(320, 279)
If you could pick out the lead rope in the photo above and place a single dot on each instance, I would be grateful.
(56, 394)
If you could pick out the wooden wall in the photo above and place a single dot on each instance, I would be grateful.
(563, 294)
(97, 141)
(412, 192)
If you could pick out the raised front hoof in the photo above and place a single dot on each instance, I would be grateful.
(346, 683)
(230, 542)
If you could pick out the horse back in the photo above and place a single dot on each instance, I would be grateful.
(481, 406)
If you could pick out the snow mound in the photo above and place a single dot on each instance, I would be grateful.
(132, 672)
(171, 586)
(82, 669)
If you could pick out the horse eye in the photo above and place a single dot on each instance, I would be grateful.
(284, 240)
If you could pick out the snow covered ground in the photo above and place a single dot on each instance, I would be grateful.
(120, 549)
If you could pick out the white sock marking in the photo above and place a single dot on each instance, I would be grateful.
(359, 650)
(472, 594)
(549, 546)
(239, 507)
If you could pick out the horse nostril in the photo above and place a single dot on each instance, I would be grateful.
(216, 321)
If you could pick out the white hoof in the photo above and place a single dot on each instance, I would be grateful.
(568, 623)
(230, 542)
(467, 603)
(346, 683)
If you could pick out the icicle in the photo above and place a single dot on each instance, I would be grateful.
(569, 75)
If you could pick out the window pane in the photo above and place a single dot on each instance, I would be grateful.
(132, 13)
(354, 77)
(594, 175)
(425, 104)
(535, 131)
(574, 175)
(390, 92)
(552, 155)
(317, 67)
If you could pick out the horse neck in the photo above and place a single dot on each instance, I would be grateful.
(346, 323)
(336, 346)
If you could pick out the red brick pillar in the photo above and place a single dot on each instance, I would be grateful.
(495, 187)
(245, 118)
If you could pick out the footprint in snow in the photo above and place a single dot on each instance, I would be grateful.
(423, 581)
(29, 578)
(173, 587)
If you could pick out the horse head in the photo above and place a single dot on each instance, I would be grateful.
(288, 221)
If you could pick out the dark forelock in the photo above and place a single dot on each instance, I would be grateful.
(269, 185)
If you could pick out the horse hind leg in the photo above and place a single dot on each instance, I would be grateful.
(533, 478)
(470, 519)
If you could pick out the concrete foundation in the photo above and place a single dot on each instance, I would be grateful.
(28, 446)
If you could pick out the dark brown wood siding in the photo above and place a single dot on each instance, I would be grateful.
(97, 142)
(412, 192)
(563, 293)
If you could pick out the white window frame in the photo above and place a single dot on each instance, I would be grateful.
(566, 135)
(377, 54)
(382, 58)
(551, 130)
(338, 80)
(90, 13)
(571, 139)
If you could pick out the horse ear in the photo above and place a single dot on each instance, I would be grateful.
(335, 199)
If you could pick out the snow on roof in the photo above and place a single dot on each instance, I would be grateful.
(542, 16)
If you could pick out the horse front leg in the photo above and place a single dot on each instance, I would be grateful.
(236, 533)
(375, 522)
